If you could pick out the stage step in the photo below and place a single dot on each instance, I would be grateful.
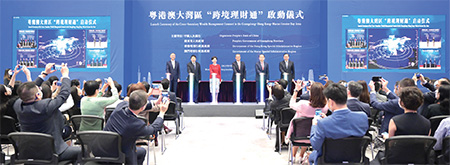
(222, 110)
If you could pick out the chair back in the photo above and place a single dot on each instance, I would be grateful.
(31, 147)
(286, 116)
(86, 122)
(302, 128)
(407, 149)
(435, 121)
(101, 146)
(108, 112)
(171, 113)
(8, 125)
(344, 150)
(446, 149)
(178, 106)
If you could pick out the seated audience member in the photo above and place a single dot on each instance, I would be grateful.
(42, 115)
(75, 92)
(165, 83)
(392, 106)
(442, 105)
(279, 102)
(364, 96)
(380, 96)
(442, 131)
(429, 97)
(354, 89)
(306, 108)
(341, 124)
(94, 104)
(409, 123)
(125, 122)
(284, 84)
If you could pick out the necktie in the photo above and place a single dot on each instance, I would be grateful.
(262, 65)
(194, 65)
(239, 65)
(286, 65)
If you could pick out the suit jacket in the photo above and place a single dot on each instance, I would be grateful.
(236, 69)
(174, 73)
(130, 127)
(197, 71)
(390, 108)
(355, 105)
(341, 124)
(290, 69)
(258, 69)
(44, 116)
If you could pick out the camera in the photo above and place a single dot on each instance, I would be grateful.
(376, 78)
(271, 84)
(56, 67)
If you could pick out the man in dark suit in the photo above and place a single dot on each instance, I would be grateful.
(354, 89)
(341, 124)
(261, 67)
(390, 107)
(429, 97)
(125, 122)
(287, 67)
(239, 67)
(173, 72)
(194, 68)
(42, 115)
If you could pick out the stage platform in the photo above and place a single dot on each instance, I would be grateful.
(221, 110)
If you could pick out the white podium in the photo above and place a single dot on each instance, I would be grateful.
(214, 86)
(238, 88)
(261, 88)
(191, 89)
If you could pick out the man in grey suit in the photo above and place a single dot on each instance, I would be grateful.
(287, 67)
(193, 67)
(173, 70)
(238, 67)
(42, 115)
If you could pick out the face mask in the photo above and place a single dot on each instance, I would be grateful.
(10, 72)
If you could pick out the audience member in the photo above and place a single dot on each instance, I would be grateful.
(7, 76)
(42, 115)
(409, 123)
(442, 105)
(284, 84)
(306, 108)
(341, 124)
(125, 122)
(261, 68)
(354, 90)
(109, 94)
(8, 97)
(94, 104)
(173, 72)
(429, 97)
(279, 102)
(392, 106)
(364, 96)
(442, 131)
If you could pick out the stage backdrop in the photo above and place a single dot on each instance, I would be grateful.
(340, 12)
(223, 29)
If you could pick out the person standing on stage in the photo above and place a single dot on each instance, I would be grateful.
(238, 67)
(261, 67)
(214, 68)
(173, 70)
(287, 67)
(194, 68)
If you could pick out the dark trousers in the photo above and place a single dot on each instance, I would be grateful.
(71, 153)
(242, 91)
(195, 90)
(140, 152)
(173, 86)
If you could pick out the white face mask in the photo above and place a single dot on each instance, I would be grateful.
(10, 72)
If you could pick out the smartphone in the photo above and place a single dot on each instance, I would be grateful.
(321, 77)
(376, 78)
(165, 96)
(418, 75)
(318, 111)
(155, 86)
(56, 67)
(20, 67)
(58, 83)
(106, 80)
(271, 84)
